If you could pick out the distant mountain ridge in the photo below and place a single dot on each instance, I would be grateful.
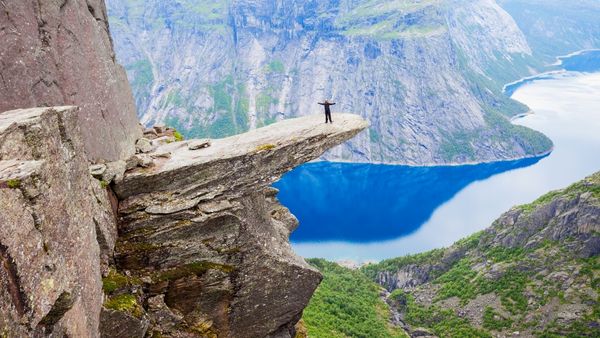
(554, 27)
(427, 74)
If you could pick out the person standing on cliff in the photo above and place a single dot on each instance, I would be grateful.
(327, 110)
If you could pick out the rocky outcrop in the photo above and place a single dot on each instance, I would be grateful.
(428, 75)
(57, 229)
(56, 53)
(202, 246)
(534, 271)
(203, 240)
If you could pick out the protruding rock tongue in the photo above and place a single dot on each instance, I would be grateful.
(205, 232)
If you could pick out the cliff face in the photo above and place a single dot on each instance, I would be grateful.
(535, 271)
(56, 53)
(202, 245)
(427, 74)
(206, 240)
(55, 226)
(554, 28)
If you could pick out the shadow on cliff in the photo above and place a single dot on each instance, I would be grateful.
(363, 203)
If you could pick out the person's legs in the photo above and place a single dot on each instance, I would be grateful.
(328, 117)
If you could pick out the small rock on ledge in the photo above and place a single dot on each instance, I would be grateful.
(199, 144)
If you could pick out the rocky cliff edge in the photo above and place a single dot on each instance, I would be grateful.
(202, 245)
(203, 231)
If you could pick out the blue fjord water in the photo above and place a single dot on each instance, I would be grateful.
(365, 203)
(365, 212)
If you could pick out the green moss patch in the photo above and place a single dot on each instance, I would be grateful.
(14, 183)
(265, 147)
(126, 303)
(115, 281)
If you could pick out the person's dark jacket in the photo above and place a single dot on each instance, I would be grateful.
(327, 104)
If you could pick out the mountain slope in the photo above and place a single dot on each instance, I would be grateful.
(426, 74)
(535, 271)
(343, 295)
(554, 27)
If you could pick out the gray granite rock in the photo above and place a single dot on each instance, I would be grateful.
(56, 227)
(57, 53)
(118, 324)
(97, 170)
(143, 145)
(114, 171)
(207, 234)
(199, 144)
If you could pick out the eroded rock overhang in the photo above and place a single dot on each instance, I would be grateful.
(205, 233)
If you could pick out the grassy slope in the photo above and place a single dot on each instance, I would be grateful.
(521, 288)
(347, 304)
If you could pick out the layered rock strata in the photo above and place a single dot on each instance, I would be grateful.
(202, 248)
(203, 241)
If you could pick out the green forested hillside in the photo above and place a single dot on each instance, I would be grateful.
(535, 271)
(347, 304)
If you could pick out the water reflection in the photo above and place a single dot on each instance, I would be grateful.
(367, 203)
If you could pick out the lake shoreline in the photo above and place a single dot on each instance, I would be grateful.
(451, 164)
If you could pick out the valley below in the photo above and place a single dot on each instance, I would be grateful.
(532, 271)
(367, 212)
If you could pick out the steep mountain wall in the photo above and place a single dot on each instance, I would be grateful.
(56, 53)
(554, 28)
(426, 74)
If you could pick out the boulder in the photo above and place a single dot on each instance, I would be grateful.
(97, 170)
(143, 145)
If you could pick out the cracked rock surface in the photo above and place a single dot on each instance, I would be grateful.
(56, 53)
(204, 230)
(55, 226)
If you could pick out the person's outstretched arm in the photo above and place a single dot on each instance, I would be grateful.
(333, 103)
(321, 103)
